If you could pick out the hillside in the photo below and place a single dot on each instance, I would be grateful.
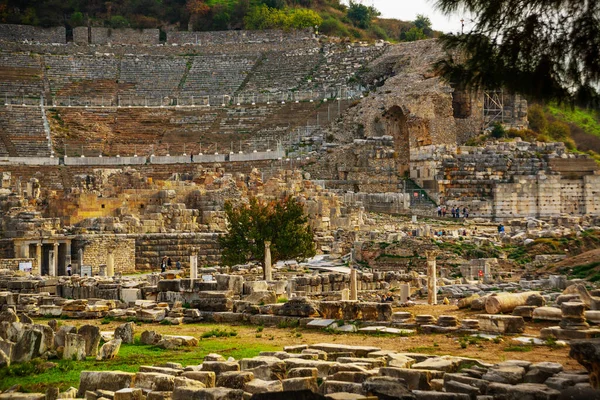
(356, 21)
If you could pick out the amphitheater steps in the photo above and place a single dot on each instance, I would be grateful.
(7, 146)
(251, 73)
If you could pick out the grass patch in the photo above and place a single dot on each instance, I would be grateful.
(219, 333)
(33, 377)
(519, 348)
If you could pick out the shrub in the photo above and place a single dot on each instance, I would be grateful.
(537, 118)
(218, 332)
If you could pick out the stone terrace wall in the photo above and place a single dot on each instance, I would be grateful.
(62, 177)
(96, 247)
(21, 33)
(229, 37)
(150, 248)
(124, 36)
(163, 50)
(13, 263)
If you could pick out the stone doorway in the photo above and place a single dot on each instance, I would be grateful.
(396, 125)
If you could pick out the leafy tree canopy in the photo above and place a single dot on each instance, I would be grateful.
(249, 226)
(361, 15)
(548, 50)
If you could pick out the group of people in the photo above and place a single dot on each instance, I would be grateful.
(167, 262)
(386, 298)
(455, 211)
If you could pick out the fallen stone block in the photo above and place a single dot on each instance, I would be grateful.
(106, 380)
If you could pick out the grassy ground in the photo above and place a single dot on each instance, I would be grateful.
(251, 340)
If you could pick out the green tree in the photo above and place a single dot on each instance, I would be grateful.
(549, 50)
(300, 18)
(118, 21)
(424, 24)
(361, 15)
(283, 223)
(413, 34)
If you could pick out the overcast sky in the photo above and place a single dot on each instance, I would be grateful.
(407, 10)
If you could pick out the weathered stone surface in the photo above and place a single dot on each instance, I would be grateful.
(207, 394)
(208, 378)
(333, 386)
(125, 332)
(303, 372)
(523, 391)
(154, 381)
(298, 384)
(92, 337)
(298, 307)
(109, 350)
(106, 380)
(28, 346)
(511, 375)
(150, 337)
(501, 323)
(234, 379)
(74, 347)
(129, 394)
(587, 353)
(385, 386)
(416, 379)
(218, 367)
(173, 342)
(260, 386)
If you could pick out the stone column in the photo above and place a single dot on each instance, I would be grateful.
(268, 274)
(110, 263)
(353, 285)
(431, 278)
(53, 260)
(404, 292)
(194, 266)
(67, 254)
(25, 250)
(38, 256)
(573, 316)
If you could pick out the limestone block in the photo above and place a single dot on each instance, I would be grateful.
(75, 348)
(109, 350)
(105, 380)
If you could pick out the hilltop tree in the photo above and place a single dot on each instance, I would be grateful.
(249, 226)
(361, 15)
(548, 50)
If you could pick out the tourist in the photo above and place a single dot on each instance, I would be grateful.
(163, 264)
(178, 264)
(439, 211)
(453, 211)
(169, 262)
(69, 270)
(444, 211)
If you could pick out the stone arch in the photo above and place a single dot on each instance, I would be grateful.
(396, 125)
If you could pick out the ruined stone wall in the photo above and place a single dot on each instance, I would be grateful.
(21, 33)
(316, 284)
(549, 196)
(62, 177)
(124, 36)
(150, 248)
(96, 248)
(229, 37)
(123, 49)
(13, 263)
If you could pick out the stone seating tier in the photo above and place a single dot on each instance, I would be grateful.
(20, 74)
(22, 128)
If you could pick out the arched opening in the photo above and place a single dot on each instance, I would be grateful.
(396, 125)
